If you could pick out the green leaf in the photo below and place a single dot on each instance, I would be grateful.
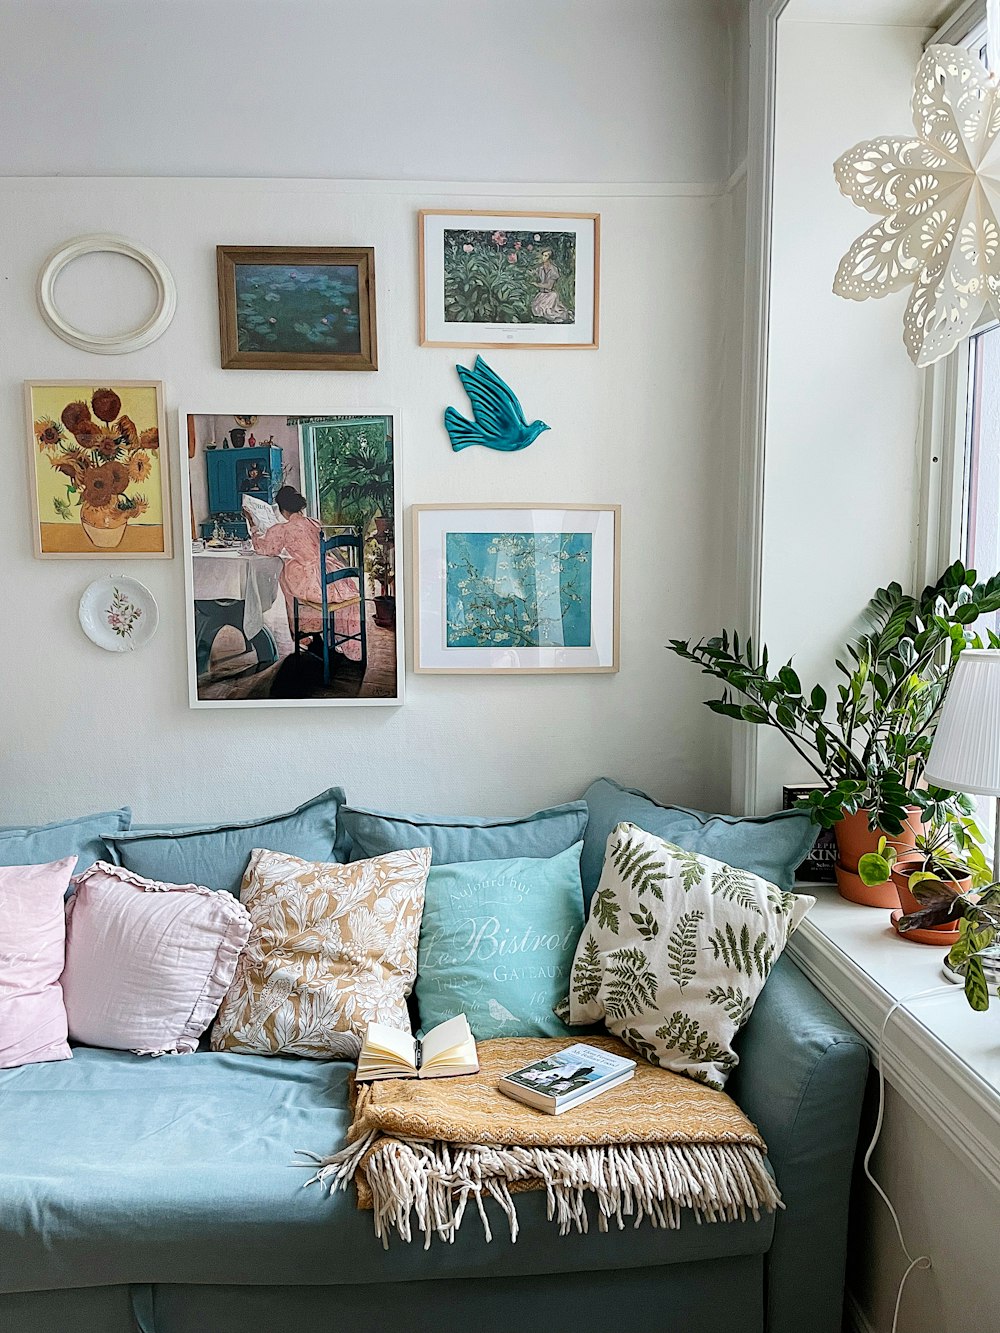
(977, 992)
(682, 947)
(874, 869)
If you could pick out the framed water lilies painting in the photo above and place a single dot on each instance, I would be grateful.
(98, 469)
(516, 588)
(297, 308)
(509, 279)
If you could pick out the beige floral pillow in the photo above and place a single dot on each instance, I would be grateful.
(332, 948)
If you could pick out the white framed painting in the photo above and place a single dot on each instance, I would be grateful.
(506, 588)
(509, 279)
(292, 549)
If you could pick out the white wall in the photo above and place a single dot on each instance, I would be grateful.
(638, 421)
(526, 90)
(843, 398)
(839, 520)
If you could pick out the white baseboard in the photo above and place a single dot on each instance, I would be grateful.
(855, 1319)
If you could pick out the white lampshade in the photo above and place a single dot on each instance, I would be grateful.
(965, 754)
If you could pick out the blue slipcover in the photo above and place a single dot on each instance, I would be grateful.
(216, 855)
(454, 838)
(164, 1192)
(83, 838)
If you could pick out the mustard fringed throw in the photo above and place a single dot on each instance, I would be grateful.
(419, 1150)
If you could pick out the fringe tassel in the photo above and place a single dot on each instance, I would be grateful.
(430, 1182)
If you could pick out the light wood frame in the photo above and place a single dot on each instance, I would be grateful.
(595, 218)
(363, 257)
(414, 560)
(163, 455)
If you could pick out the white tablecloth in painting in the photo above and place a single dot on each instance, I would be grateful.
(241, 575)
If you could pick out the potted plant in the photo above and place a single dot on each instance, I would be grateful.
(380, 566)
(869, 745)
(977, 917)
(949, 849)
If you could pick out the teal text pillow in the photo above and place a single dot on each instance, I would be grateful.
(82, 838)
(771, 846)
(217, 854)
(454, 838)
(497, 941)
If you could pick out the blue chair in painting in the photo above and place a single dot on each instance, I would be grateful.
(328, 609)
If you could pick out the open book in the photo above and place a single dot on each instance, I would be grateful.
(445, 1051)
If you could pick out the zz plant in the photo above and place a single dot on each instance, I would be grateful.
(869, 744)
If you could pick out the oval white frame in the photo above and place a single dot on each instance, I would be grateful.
(107, 343)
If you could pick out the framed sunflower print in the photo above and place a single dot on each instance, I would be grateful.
(297, 308)
(510, 588)
(99, 471)
(509, 279)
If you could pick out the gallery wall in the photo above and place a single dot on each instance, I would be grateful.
(642, 421)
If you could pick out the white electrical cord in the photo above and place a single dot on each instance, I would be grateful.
(922, 1261)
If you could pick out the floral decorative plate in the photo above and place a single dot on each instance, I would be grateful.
(118, 613)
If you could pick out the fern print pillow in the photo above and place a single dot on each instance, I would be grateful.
(676, 951)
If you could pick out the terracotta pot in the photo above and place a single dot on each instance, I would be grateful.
(901, 873)
(855, 890)
(855, 839)
(104, 527)
(385, 612)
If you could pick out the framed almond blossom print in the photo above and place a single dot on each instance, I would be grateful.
(510, 588)
(509, 279)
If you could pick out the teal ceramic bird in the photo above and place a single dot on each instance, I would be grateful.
(498, 420)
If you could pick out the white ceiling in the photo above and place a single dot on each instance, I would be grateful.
(921, 13)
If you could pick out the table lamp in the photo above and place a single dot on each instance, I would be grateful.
(965, 753)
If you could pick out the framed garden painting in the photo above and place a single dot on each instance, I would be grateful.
(509, 279)
(297, 308)
(291, 558)
(516, 588)
(99, 481)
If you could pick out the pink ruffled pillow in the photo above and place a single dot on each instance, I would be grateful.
(32, 951)
(147, 964)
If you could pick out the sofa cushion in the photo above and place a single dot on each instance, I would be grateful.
(82, 838)
(172, 1171)
(676, 951)
(217, 854)
(32, 948)
(147, 963)
(497, 941)
(453, 838)
(771, 846)
(332, 948)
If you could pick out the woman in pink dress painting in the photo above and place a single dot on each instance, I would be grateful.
(296, 541)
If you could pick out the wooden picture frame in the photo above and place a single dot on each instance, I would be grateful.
(547, 308)
(344, 334)
(59, 493)
(590, 643)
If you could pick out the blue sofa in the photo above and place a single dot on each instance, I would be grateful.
(162, 1195)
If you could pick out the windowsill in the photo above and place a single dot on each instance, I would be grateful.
(939, 1055)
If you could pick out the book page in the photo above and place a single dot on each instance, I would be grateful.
(450, 1037)
(385, 1041)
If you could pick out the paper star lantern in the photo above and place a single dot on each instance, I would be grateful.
(939, 195)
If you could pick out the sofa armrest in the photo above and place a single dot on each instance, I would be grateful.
(801, 1079)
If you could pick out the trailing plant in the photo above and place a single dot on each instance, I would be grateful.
(869, 743)
(978, 920)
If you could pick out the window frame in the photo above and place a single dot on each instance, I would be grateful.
(945, 431)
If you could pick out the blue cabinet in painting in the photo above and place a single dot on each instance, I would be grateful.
(233, 473)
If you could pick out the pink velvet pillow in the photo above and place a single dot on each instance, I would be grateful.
(147, 964)
(32, 951)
